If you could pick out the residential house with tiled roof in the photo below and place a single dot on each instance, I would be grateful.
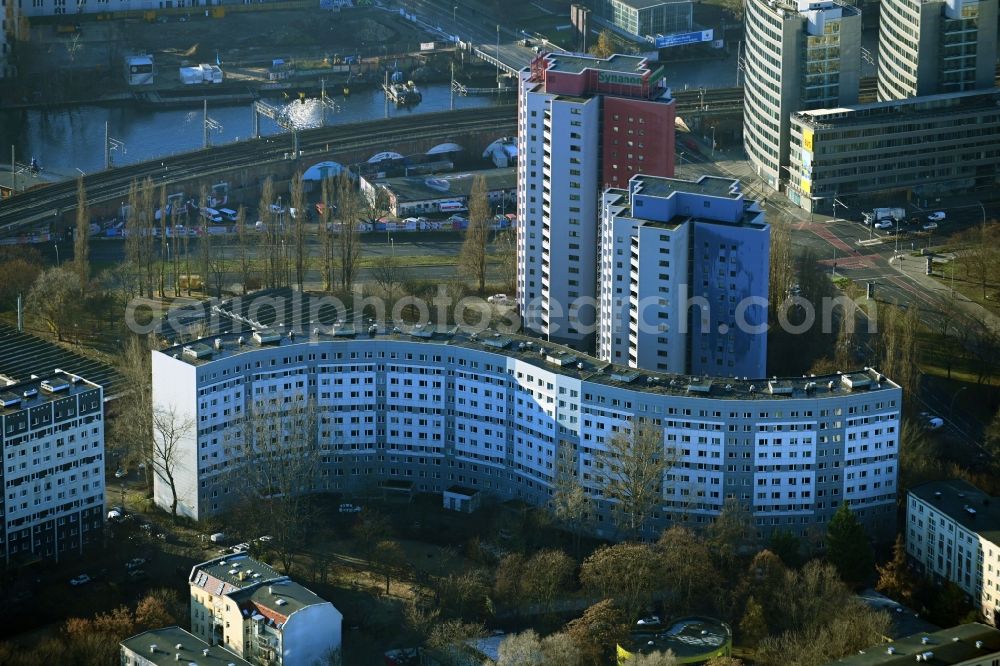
(263, 616)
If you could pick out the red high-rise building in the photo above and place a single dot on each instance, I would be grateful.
(584, 124)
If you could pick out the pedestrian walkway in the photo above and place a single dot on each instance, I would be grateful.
(915, 269)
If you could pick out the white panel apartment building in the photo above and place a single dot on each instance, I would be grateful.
(490, 412)
(953, 533)
(52, 438)
(683, 287)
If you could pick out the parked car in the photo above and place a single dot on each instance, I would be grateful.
(265, 538)
(929, 226)
(934, 422)
(883, 224)
(937, 216)
(498, 299)
(82, 579)
(121, 473)
(241, 547)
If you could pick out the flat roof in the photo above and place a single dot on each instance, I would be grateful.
(231, 573)
(900, 110)
(535, 351)
(948, 646)
(448, 185)
(36, 392)
(275, 600)
(577, 63)
(23, 355)
(159, 646)
(708, 186)
(967, 505)
(686, 637)
(711, 186)
(646, 4)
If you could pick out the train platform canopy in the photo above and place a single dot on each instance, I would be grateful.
(23, 355)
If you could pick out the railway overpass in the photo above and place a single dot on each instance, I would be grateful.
(46, 205)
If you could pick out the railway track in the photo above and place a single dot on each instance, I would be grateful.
(46, 204)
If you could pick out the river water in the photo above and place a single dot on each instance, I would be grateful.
(70, 138)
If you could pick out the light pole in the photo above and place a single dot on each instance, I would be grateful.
(713, 140)
(56, 246)
(454, 21)
(498, 54)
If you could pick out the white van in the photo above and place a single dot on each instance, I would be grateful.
(211, 215)
(228, 214)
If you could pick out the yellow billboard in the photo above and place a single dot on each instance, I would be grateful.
(807, 139)
(805, 185)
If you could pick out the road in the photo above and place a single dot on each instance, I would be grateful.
(451, 22)
(40, 207)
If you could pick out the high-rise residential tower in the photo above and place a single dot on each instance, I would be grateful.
(684, 277)
(941, 46)
(584, 123)
(804, 55)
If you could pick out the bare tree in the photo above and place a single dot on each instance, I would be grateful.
(605, 46)
(204, 242)
(627, 572)
(175, 248)
(506, 252)
(147, 238)
(244, 251)
(130, 431)
(133, 227)
(281, 459)
(570, 504)
(387, 275)
(782, 266)
(299, 204)
(349, 211)
(376, 204)
(161, 273)
(632, 467)
(81, 236)
(272, 264)
(326, 231)
(472, 259)
(55, 298)
(170, 429)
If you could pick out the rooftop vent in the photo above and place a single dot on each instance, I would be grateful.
(179, 646)
(937, 494)
(240, 341)
(926, 640)
(890, 650)
(204, 652)
(177, 656)
(281, 602)
(979, 645)
(152, 648)
(54, 385)
(218, 343)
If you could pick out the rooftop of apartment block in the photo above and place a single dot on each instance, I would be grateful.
(292, 320)
(577, 63)
(964, 503)
(40, 390)
(275, 601)
(173, 645)
(707, 186)
(966, 643)
(230, 573)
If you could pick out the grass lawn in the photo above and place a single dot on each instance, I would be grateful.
(970, 288)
